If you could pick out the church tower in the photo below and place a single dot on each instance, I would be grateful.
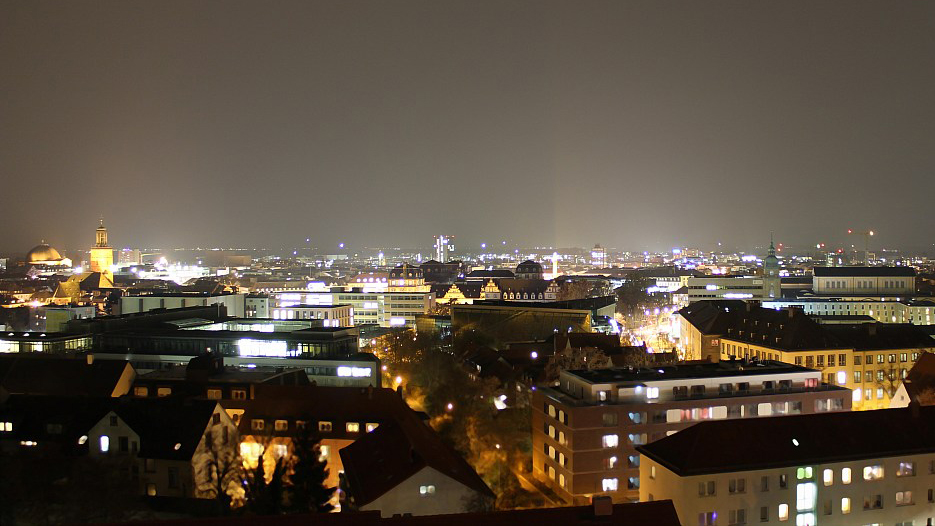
(102, 255)
(771, 272)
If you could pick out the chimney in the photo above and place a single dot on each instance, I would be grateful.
(90, 358)
(602, 505)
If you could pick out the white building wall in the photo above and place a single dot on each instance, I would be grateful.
(449, 496)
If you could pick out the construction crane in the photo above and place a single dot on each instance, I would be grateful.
(867, 235)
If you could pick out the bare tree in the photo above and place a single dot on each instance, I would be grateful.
(219, 469)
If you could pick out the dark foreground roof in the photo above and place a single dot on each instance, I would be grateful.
(36, 374)
(772, 442)
(921, 378)
(656, 513)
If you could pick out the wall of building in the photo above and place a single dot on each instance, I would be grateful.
(449, 496)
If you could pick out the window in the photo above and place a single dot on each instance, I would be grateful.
(163, 391)
(856, 377)
(371, 426)
(783, 481)
(707, 489)
(324, 427)
(764, 483)
(873, 472)
(427, 491)
(783, 512)
(904, 498)
(239, 394)
(846, 475)
(637, 439)
(737, 516)
(257, 425)
(281, 425)
(906, 469)
(113, 421)
(873, 502)
(105, 443)
(609, 485)
(610, 462)
(561, 437)
(610, 441)
(737, 486)
(652, 472)
(141, 391)
(214, 394)
(151, 490)
(652, 392)
(842, 360)
(827, 477)
(610, 419)
(352, 427)
(845, 505)
(806, 495)
(803, 473)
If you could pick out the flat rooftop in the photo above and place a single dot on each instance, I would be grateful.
(724, 368)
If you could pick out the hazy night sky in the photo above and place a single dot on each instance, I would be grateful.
(640, 125)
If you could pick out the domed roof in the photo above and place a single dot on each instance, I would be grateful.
(43, 252)
(528, 266)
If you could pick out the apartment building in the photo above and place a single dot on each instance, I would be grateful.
(331, 315)
(864, 281)
(585, 431)
(819, 469)
(918, 311)
(386, 309)
(870, 359)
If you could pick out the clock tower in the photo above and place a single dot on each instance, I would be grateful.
(102, 254)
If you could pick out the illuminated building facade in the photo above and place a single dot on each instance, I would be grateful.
(586, 431)
(864, 281)
(444, 246)
(151, 300)
(386, 309)
(827, 469)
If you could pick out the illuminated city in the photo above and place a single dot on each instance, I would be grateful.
(490, 263)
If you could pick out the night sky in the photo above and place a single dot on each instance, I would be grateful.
(638, 125)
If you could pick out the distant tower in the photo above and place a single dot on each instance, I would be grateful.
(102, 254)
(771, 281)
(598, 256)
(443, 247)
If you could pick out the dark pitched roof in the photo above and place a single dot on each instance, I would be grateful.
(486, 274)
(863, 272)
(27, 373)
(921, 377)
(384, 458)
(168, 428)
(516, 285)
(880, 336)
(771, 442)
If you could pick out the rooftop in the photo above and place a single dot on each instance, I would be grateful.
(863, 272)
(725, 368)
(786, 441)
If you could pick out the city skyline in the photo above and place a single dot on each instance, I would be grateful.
(630, 125)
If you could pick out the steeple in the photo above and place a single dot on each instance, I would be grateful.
(101, 235)
(772, 247)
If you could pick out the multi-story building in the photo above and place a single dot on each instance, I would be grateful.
(151, 300)
(887, 310)
(256, 305)
(386, 309)
(721, 287)
(330, 315)
(586, 431)
(820, 469)
(864, 281)
(869, 358)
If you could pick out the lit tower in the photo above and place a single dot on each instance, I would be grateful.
(443, 247)
(102, 254)
(771, 282)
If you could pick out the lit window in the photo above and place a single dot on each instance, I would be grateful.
(609, 484)
(239, 394)
(906, 469)
(140, 391)
(426, 491)
(163, 391)
(903, 498)
(324, 427)
(828, 477)
(652, 392)
(323, 452)
(214, 394)
(105, 443)
(783, 512)
(371, 426)
(610, 441)
(873, 472)
(806, 495)
(611, 462)
(257, 424)
(352, 427)
(281, 425)
(846, 475)
(6, 427)
(845, 505)
(803, 473)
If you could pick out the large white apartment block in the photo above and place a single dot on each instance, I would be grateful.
(846, 468)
